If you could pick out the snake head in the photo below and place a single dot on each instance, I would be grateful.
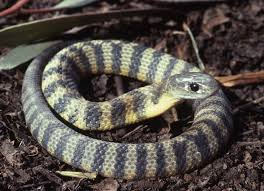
(191, 85)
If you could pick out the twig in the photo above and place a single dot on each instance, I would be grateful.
(189, 1)
(241, 79)
(35, 184)
(246, 143)
(14, 8)
(89, 175)
(174, 114)
(133, 131)
(178, 33)
(6, 75)
(43, 10)
(119, 85)
(256, 101)
(247, 132)
(194, 44)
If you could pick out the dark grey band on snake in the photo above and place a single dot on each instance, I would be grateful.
(198, 145)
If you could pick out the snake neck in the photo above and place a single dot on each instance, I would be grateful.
(144, 103)
(164, 103)
(160, 101)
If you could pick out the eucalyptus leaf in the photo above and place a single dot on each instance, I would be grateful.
(73, 4)
(43, 29)
(22, 54)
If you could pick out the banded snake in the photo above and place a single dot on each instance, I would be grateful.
(170, 79)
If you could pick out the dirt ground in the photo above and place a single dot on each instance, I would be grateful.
(230, 37)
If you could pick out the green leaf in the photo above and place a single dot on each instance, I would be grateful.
(43, 29)
(74, 4)
(22, 54)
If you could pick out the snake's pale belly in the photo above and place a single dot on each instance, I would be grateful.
(209, 132)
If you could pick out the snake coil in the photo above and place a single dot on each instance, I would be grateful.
(209, 132)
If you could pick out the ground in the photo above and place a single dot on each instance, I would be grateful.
(230, 38)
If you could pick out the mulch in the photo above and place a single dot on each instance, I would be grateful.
(230, 37)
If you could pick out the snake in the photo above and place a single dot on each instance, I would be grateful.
(56, 112)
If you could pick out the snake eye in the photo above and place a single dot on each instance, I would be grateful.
(194, 87)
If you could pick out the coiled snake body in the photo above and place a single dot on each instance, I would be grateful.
(171, 79)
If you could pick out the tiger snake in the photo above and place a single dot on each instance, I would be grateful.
(56, 74)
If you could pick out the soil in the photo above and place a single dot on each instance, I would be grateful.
(230, 38)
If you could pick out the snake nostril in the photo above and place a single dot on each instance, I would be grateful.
(194, 87)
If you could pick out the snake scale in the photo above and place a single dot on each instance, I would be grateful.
(56, 73)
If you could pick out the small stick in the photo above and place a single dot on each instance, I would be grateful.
(89, 175)
(194, 44)
(174, 114)
(35, 184)
(250, 143)
(14, 8)
(247, 132)
(6, 75)
(43, 10)
(178, 33)
(241, 79)
(133, 131)
(119, 85)
(256, 101)
(189, 1)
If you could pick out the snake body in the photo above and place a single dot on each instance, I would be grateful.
(210, 130)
